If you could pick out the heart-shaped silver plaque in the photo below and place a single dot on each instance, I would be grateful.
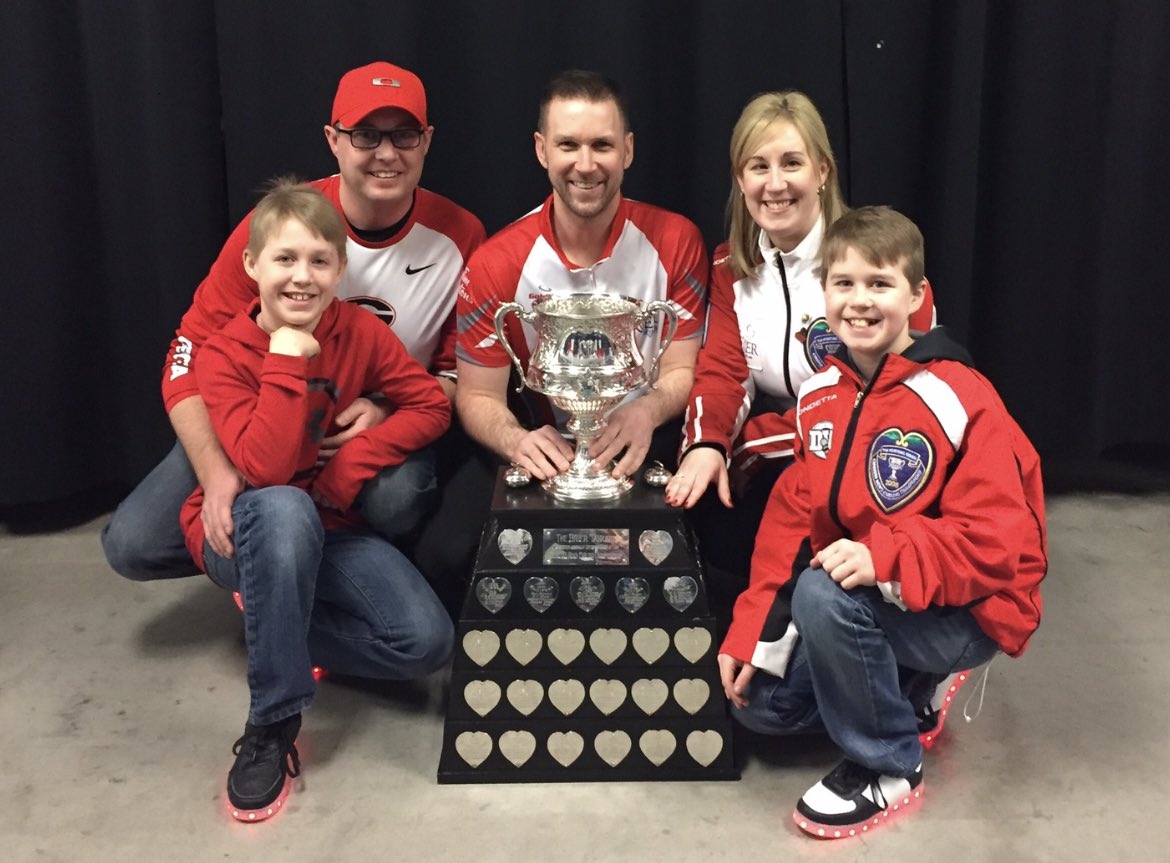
(680, 591)
(566, 644)
(651, 643)
(612, 746)
(704, 746)
(481, 645)
(632, 592)
(655, 545)
(607, 644)
(657, 745)
(514, 544)
(691, 694)
(525, 695)
(607, 695)
(566, 695)
(540, 592)
(566, 747)
(473, 747)
(493, 593)
(692, 642)
(482, 696)
(523, 644)
(586, 591)
(517, 746)
(649, 695)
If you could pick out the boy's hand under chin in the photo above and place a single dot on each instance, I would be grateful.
(293, 343)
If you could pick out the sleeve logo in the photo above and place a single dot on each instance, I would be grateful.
(181, 359)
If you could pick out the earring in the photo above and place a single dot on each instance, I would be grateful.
(821, 190)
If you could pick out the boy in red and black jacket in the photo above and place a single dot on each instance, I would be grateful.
(907, 541)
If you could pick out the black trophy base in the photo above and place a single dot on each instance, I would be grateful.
(585, 649)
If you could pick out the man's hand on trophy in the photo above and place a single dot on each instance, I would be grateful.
(543, 453)
(701, 466)
(628, 428)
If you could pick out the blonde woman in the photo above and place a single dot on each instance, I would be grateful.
(766, 329)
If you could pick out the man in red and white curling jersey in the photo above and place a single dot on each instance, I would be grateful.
(586, 237)
(407, 248)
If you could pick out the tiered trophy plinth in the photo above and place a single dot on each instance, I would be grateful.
(585, 649)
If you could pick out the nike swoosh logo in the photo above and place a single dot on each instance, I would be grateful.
(410, 271)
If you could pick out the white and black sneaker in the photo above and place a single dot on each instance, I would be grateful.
(854, 799)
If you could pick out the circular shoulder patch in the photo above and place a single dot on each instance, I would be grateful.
(819, 342)
(899, 467)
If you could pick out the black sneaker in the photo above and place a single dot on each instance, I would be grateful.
(932, 717)
(266, 758)
(853, 800)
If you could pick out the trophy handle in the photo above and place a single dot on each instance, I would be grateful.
(672, 320)
(502, 312)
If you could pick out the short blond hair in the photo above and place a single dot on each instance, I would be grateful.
(882, 236)
(752, 130)
(287, 198)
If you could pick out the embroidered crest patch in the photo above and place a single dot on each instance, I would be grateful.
(819, 342)
(899, 466)
(820, 439)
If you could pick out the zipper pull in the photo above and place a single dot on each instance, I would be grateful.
(857, 400)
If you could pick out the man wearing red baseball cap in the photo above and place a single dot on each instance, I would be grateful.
(407, 248)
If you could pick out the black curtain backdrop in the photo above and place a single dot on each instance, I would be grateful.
(1028, 139)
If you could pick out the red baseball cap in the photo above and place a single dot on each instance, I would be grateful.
(379, 85)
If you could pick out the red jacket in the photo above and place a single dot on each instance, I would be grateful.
(928, 470)
(408, 280)
(271, 411)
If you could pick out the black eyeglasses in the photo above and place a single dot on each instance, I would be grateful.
(371, 139)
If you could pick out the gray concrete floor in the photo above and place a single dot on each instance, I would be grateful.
(119, 703)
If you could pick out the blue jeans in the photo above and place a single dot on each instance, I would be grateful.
(143, 541)
(854, 660)
(347, 601)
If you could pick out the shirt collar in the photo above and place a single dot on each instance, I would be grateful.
(807, 251)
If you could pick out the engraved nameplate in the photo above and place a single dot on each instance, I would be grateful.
(576, 546)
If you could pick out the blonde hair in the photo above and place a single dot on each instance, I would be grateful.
(882, 236)
(287, 198)
(752, 129)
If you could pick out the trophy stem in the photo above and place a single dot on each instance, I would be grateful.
(586, 479)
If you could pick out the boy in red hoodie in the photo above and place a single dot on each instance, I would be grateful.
(907, 542)
(317, 585)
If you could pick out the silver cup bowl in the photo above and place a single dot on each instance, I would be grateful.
(586, 360)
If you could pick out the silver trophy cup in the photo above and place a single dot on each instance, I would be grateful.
(587, 360)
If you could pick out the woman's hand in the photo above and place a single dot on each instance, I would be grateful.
(700, 466)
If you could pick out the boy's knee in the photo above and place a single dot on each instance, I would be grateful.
(281, 519)
(279, 504)
(815, 597)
